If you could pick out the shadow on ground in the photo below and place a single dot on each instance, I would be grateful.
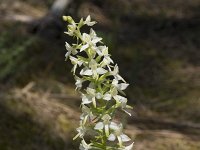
(20, 132)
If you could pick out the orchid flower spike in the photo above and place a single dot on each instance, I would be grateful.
(101, 86)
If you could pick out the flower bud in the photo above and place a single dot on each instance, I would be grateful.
(68, 19)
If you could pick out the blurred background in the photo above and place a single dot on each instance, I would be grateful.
(155, 43)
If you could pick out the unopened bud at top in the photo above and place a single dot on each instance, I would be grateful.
(68, 19)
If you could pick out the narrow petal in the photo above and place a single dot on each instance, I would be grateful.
(88, 19)
(68, 47)
(126, 112)
(118, 77)
(107, 130)
(67, 55)
(85, 119)
(84, 145)
(129, 147)
(84, 47)
(76, 136)
(94, 102)
(92, 33)
(120, 141)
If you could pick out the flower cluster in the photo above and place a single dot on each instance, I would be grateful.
(101, 88)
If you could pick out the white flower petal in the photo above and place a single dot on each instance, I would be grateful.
(86, 38)
(86, 99)
(94, 102)
(88, 19)
(91, 91)
(96, 40)
(84, 145)
(106, 118)
(87, 72)
(91, 23)
(123, 86)
(115, 82)
(84, 47)
(124, 138)
(113, 126)
(67, 54)
(107, 97)
(120, 98)
(74, 69)
(93, 65)
(79, 82)
(68, 47)
(92, 33)
(116, 70)
(129, 147)
(108, 60)
(118, 77)
(99, 126)
(126, 112)
(111, 137)
(107, 129)
(114, 92)
(98, 95)
(85, 119)
(101, 71)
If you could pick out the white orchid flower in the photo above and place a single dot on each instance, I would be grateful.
(88, 21)
(86, 114)
(89, 40)
(105, 124)
(119, 135)
(90, 96)
(93, 69)
(78, 82)
(119, 86)
(122, 102)
(71, 50)
(81, 131)
(87, 99)
(115, 73)
(75, 62)
(71, 29)
(103, 51)
(92, 93)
